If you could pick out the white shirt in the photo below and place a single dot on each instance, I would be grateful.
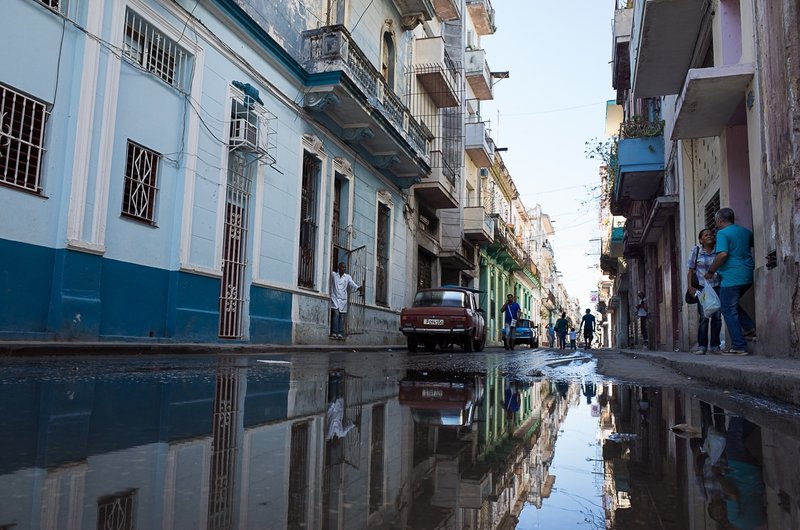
(641, 311)
(339, 288)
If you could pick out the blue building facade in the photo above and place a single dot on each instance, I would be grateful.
(174, 171)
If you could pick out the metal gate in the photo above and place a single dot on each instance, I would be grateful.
(356, 301)
(234, 246)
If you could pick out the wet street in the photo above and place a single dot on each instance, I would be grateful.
(526, 439)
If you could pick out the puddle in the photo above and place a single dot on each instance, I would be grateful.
(525, 441)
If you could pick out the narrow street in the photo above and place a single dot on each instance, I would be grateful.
(384, 439)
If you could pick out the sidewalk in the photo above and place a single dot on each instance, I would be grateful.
(37, 348)
(772, 377)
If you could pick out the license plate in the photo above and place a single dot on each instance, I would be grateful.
(433, 321)
(431, 393)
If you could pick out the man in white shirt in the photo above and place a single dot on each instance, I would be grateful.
(341, 284)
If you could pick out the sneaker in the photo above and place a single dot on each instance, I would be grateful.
(714, 350)
(699, 351)
(735, 351)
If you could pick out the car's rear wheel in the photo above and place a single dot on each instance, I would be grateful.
(412, 344)
(481, 343)
(469, 343)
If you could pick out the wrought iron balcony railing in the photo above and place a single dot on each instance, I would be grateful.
(331, 48)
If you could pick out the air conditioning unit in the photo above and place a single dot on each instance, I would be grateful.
(244, 135)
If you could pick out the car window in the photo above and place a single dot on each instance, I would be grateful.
(440, 298)
(523, 323)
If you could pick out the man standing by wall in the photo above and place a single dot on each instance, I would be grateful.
(734, 264)
(341, 284)
(641, 313)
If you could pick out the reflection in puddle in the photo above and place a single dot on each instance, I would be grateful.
(234, 443)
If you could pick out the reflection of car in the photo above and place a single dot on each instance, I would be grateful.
(443, 399)
(524, 333)
(444, 316)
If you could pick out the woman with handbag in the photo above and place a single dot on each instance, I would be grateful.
(700, 259)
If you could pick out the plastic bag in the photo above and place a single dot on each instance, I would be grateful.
(709, 299)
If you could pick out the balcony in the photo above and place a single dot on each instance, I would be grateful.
(436, 71)
(663, 40)
(632, 242)
(413, 12)
(609, 265)
(662, 210)
(461, 257)
(712, 99)
(478, 227)
(640, 160)
(447, 9)
(505, 249)
(615, 247)
(482, 14)
(621, 57)
(478, 75)
(438, 189)
(352, 99)
(479, 145)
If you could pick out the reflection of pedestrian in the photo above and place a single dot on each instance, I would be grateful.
(562, 387)
(341, 284)
(511, 402)
(734, 263)
(589, 392)
(641, 313)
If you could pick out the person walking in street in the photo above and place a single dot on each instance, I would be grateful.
(562, 324)
(511, 311)
(551, 335)
(641, 313)
(573, 339)
(341, 285)
(700, 259)
(734, 263)
(587, 324)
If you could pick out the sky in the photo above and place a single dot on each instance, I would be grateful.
(558, 55)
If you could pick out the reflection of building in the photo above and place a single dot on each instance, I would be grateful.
(233, 445)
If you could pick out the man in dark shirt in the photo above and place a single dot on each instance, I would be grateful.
(587, 323)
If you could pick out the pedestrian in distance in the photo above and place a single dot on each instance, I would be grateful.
(551, 335)
(641, 314)
(734, 264)
(587, 325)
(562, 324)
(511, 312)
(573, 339)
(700, 260)
(341, 285)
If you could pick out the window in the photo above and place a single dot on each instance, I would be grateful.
(153, 51)
(116, 511)
(22, 122)
(139, 195)
(382, 265)
(388, 59)
(308, 221)
(712, 207)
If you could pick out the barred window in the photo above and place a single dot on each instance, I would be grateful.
(117, 511)
(155, 52)
(711, 209)
(22, 122)
(141, 171)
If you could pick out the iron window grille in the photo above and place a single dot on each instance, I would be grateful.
(116, 512)
(712, 207)
(153, 51)
(139, 194)
(308, 221)
(22, 124)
